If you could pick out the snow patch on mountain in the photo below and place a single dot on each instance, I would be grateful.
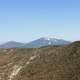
(47, 38)
(49, 43)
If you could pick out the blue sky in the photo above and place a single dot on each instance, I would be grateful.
(26, 20)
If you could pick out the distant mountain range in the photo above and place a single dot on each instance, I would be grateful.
(11, 44)
(43, 41)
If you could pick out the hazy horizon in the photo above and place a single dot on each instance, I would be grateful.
(45, 37)
(27, 20)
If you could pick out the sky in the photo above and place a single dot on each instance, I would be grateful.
(26, 20)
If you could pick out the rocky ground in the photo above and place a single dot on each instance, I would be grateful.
(46, 63)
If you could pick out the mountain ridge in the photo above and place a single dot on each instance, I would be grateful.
(11, 44)
(43, 41)
(45, 63)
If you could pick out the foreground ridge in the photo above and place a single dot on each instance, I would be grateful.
(46, 63)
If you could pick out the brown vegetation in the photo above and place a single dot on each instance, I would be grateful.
(47, 63)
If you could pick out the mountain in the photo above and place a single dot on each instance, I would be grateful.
(45, 63)
(45, 41)
(11, 44)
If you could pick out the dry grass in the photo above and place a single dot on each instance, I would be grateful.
(46, 63)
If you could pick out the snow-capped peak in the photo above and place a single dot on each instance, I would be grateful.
(47, 38)
(55, 40)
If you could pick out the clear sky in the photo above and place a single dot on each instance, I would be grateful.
(26, 20)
